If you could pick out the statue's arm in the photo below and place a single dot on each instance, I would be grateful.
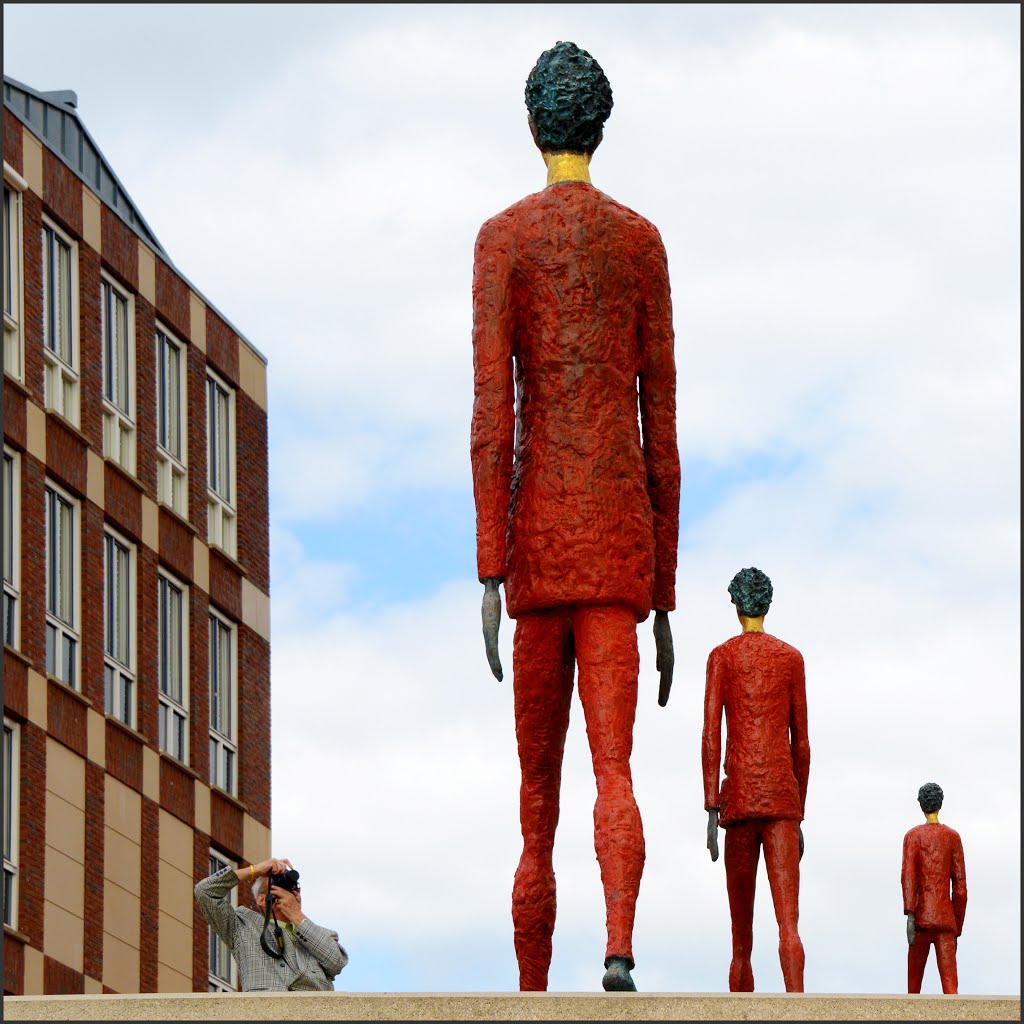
(711, 748)
(493, 425)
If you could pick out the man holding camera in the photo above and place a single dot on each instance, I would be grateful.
(300, 957)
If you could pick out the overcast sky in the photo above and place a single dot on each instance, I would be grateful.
(837, 189)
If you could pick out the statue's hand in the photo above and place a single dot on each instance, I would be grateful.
(713, 834)
(490, 612)
(911, 929)
(666, 657)
(800, 839)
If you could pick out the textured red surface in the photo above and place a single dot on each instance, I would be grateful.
(933, 865)
(574, 288)
(602, 641)
(576, 480)
(757, 680)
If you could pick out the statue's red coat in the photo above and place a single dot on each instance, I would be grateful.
(571, 308)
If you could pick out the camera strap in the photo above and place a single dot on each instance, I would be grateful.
(268, 912)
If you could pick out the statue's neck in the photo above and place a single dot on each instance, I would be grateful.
(752, 624)
(567, 167)
(932, 818)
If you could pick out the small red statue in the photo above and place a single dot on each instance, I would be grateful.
(758, 682)
(933, 862)
(576, 482)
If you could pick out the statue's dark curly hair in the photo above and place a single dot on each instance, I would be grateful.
(929, 796)
(569, 99)
(751, 592)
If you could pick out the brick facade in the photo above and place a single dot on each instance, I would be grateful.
(109, 787)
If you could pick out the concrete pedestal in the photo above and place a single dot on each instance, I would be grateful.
(508, 1006)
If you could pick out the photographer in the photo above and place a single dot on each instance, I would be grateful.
(299, 957)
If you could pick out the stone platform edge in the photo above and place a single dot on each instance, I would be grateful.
(507, 1006)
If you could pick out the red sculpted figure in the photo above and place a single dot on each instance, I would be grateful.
(576, 480)
(933, 863)
(758, 681)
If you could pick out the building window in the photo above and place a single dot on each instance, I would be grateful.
(118, 645)
(62, 631)
(220, 461)
(223, 705)
(12, 788)
(60, 322)
(118, 375)
(172, 476)
(172, 605)
(12, 545)
(13, 337)
(223, 973)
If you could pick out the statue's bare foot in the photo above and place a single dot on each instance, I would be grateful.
(616, 976)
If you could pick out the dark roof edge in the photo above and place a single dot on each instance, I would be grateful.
(149, 238)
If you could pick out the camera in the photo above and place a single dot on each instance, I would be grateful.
(288, 880)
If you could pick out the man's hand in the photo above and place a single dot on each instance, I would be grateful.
(800, 841)
(271, 866)
(287, 905)
(666, 657)
(490, 612)
(911, 929)
(713, 833)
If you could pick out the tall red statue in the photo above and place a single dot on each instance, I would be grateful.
(576, 480)
(758, 681)
(933, 863)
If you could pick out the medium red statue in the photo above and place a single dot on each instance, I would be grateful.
(576, 480)
(933, 863)
(758, 682)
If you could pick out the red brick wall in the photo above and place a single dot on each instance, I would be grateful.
(122, 502)
(145, 396)
(226, 828)
(200, 929)
(149, 897)
(33, 834)
(61, 980)
(95, 833)
(197, 440)
(66, 717)
(254, 723)
(15, 685)
(147, 666)
(253, 491)
(199, 681)
(14, 962)
(221, 348)
(62, 193)
(173, 299)
(65, 455)
(13, 142)
(32, 293)
(93, 611)
(124, 755)
(177, 791)
(33, 563)
(14, 414)
(90, 365)
(225, 584)
(175, 544)
(120, 248)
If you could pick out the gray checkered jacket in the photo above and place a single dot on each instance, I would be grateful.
(312, 958)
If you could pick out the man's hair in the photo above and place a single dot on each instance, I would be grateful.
(751, 592)
(569, 99)
(929, 796)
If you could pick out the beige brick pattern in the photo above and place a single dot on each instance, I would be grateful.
(65, 882)
(197, 316)
(64, 937)
(37, 699)
(150, 524)
(32, 161)
(96, 736)
(35, 431)
(92, 230)
(33, 973)
(124, 810)
(175, 841)
(120, 964)
(65, 773)
(176, 896)
(168, 980)
(147, 274)
(255, 840)
(121, 911)
(200, 564)
(151, 774)
(202, 807)
(122, 861)
(256, 609)
(175, 944)
(95, 479)
(252, 375)
(92, 986)
(65, 828)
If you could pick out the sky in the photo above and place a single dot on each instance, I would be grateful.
(837, 187)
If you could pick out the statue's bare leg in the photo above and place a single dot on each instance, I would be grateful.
(542, 660)
(609, 663)
(781, 841)
(742, 853)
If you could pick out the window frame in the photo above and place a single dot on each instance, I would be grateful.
(222, 509)
(12, 817)
(172, 469)
(126, 673)
(169, 708)
(217, 983)
(118, 422)
(63, 629)
(223, 743)
(14, 274)
(56, 368)
(12, 531)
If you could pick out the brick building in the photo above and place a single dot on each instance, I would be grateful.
(136, 606)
